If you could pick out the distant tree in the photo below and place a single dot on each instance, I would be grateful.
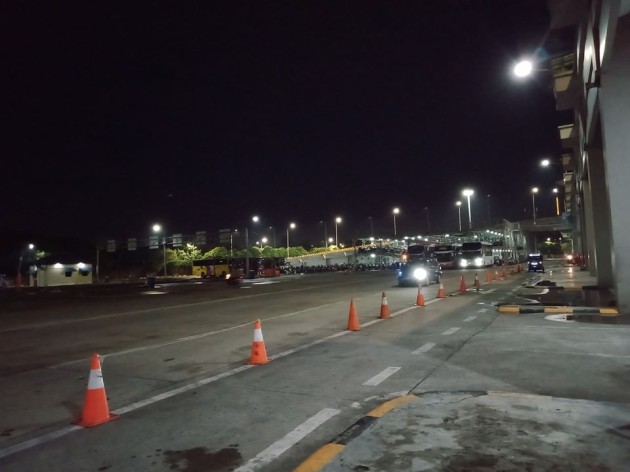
(296, 251)
(218, 252)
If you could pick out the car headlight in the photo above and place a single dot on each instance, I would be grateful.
(463, 263)
(420, 274)
(479, 262)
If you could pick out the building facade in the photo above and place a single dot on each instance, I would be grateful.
(589, 48)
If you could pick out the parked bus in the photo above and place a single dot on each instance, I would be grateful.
(447, 255)
(211, 268)
(418, 251)
(476, 254)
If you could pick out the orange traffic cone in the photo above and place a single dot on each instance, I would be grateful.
(504, 273)
(496, 275)
(462, 285)
(384, 308)
(259, 353)
(95, 409)
(353, 319)
(518, 268)
(476, 283)
(441, 292)
(420, 298)
(488, 277)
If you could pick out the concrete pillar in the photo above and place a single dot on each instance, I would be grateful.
(615, 116)
(587, 228)
(601, 265)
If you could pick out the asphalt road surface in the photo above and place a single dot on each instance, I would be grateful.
(175, 367)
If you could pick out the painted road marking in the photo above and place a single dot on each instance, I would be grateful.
(490, 290)
(156, 398)
(37, 441)
(483, 310)
(282, 445)
(378, 378)
(424, 348)
(450, 331)
(470, 318)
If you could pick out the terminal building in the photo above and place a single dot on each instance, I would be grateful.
(589, 50)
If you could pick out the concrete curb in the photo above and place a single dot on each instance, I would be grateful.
(524, 309)
(328, 452)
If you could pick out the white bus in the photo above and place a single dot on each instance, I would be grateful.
(476, 254)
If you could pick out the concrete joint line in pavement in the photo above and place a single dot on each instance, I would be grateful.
(327, 453)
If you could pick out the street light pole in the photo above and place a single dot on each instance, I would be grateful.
(291, 226)
(18, 278)
(255, 220)
(534, 192)
(337, 221)
(459, 213)
(467, 193)
(395, 211)
(158, 229)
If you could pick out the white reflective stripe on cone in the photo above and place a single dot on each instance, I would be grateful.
(96, 380)
(258, 337)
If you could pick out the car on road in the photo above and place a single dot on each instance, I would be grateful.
(535, 263)
(420, 271)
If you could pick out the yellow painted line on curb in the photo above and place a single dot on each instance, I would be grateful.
(511, 309)
(327, 453)
(609, 312)
(390, 405)
(558, 309)
(320, 458)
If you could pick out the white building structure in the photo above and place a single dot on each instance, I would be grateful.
(61, 274)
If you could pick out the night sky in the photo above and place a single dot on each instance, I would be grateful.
(200, 115)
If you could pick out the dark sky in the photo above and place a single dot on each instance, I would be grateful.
(200, 114)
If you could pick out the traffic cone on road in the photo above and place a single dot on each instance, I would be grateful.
(353, 319)
(462, 285)
(496, 275)
(384, 308)
(476, 283)
(504, 272)
(259, 353)
(441, 292)
(488, 277)
(420, 298)
(95, 408)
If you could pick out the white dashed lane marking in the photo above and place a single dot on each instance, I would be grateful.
(378, 378)
(424, 348)
(450, 331)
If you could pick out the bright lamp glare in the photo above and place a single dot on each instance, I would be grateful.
(420, 274)
(523, 69)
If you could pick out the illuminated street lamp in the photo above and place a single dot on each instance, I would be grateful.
(395, 211)
(523, 69)
(262, 241)
(158, 229)
(459, 213)
(534, 192)
(291, 226)
(337, 221)
(467, 193)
